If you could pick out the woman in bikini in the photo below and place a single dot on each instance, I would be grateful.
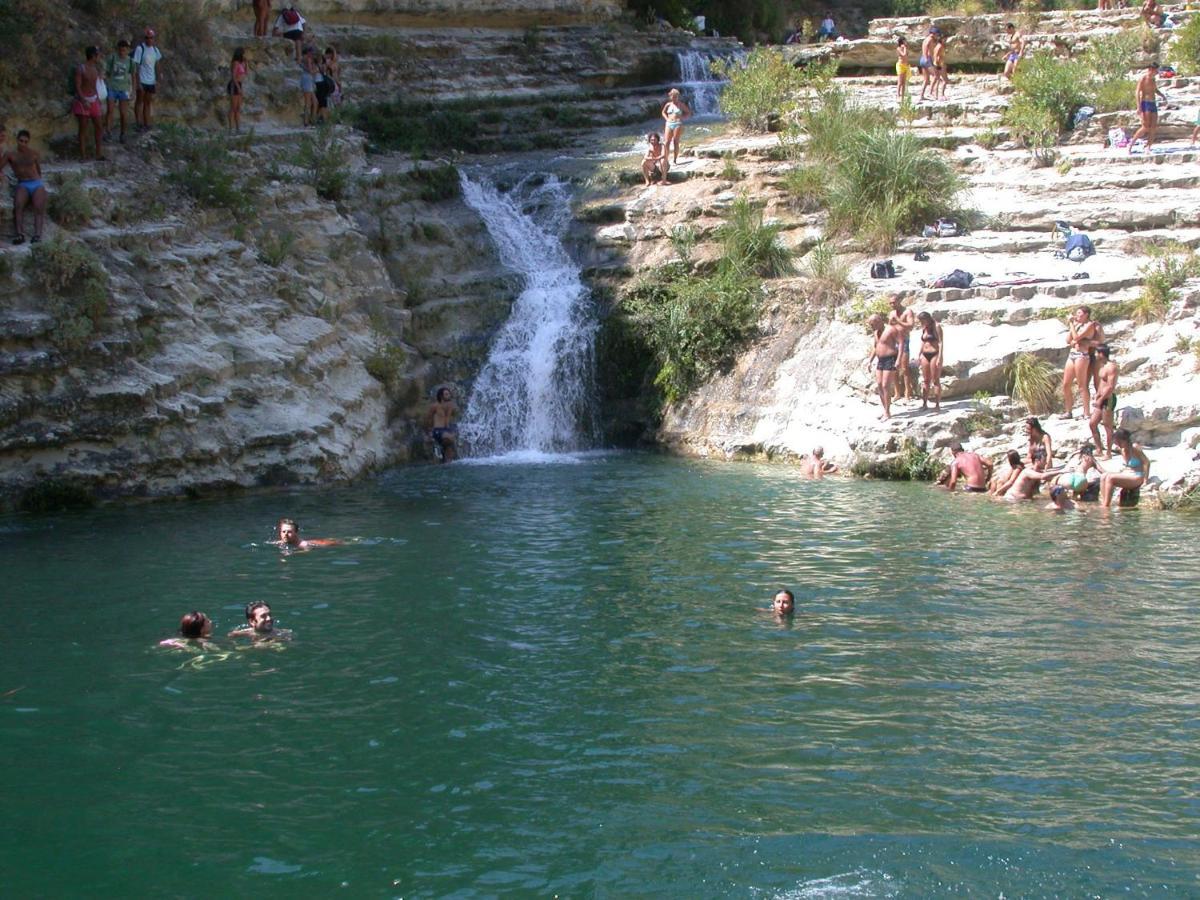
(903, 69)
(237, 76)
(674, 112)
(931, 361)
(1081, 339)
(1041, 448)
(1131, 477)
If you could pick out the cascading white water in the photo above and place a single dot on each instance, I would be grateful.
(534, 392)
(700, 85)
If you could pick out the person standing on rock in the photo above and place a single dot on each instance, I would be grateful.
(119, 72)
(146, 57)
(236, 88)
(903, 69)
(290, 25)
(1081, 338)
(905, 321)
(925, 62)
(1104, 404)
(884, 350)
(941, 71)
(1147, 107)
(1016, 49)
(931, 361)
(262, 15)
(86, 108)
(308, 88)
(27, 167)
(675, 111)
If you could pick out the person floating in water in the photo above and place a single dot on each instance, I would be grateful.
(441, 418)
(194, 627)
(260, 624)
(287, 536)
(783, 604)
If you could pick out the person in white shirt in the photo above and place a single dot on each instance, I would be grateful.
(290, 25)
(146, 58)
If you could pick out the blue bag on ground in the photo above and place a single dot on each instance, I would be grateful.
(1079, 247)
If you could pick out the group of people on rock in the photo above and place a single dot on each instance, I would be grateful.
(320, 72)
(196, 628)
(104, 85)
(1079, 478)
(662, 151)
(891, 355)
(931, 64)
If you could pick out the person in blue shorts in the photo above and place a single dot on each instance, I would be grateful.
(1147, 106)
(31, 191)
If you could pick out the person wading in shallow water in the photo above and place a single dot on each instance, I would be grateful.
(441, 419)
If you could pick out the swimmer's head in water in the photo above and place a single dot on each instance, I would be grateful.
(195, 625)
(1057, 492)
(287, 532)
(818, 452)
(258, 614)
(784, 603)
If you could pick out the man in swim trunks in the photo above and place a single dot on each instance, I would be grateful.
(904, 320)
(87, 107)
(925, 62)
(1016, 49)
(1104, 404)
(1147, 106)
(884, 350)
(27, 167)
(974, 469)
(442, 414)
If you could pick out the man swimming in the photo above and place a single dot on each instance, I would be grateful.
(974, 469)
(815, 466)
(260, 624)
(441, 416)
(287, 536)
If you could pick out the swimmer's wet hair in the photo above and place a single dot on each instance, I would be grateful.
(192, 624)
(790, 595)
(256, 604)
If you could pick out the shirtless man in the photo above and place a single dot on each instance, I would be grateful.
(1104, 404)
(287, 535)
(260, 625)
(1147, 106)
(1016, 49)
(87, 101)
(27, 167)
(442, 414)
(941, 71)
(925, 62)
(904, 320)
(974, 469)
(1002, 481)
(815, 466)
(1151, 13)
(884, 350)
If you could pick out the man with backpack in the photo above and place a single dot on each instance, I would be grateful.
(146, 57)
(290, 25)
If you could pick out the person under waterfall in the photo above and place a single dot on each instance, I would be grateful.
(441, 419)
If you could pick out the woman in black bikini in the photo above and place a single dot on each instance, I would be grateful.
(1041, 449)
(931, 361)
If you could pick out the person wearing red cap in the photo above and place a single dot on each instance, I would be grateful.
(146, 57)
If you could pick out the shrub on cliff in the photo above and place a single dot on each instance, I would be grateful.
(1033, 382)
(750, 246)
(1185, 52)
(1046, 92)
(205, 166)
(76, 288)
(71, 204)
(831, 121)
(761, 88)
(325, 160)
(886, 184)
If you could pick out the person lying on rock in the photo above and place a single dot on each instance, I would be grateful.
(655, 159)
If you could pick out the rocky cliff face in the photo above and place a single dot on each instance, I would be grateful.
(804, 382)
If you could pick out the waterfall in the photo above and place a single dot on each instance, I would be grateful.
(534, 391)
(701, 88)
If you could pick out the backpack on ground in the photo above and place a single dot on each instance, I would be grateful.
(290, 16)
(956, 279)
(1082, 115)
(883, 269)
(947, 228)
(1079, 247)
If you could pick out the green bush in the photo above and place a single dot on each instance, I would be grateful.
(830, 122)
(71, 204)
(205, 167)
(693, 323)
(1046, 92)
(1107, 63)
(749, 245)
(911, 463)
(1033, 382)
(808, 187)
(1185, 51)
(326, 160)
(76, 288)
(276, 247)
(436, 183)
(1173, 266)
(386, 364)
(885, 184)
(762, 88)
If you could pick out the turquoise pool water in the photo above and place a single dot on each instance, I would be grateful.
(538, 680)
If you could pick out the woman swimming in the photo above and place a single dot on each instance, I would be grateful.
(1131, 477)
(932, 338)
(675, 111)
(193, 627)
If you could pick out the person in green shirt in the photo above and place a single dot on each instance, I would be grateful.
(118, 74)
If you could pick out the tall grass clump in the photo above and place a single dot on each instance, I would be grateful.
(76, 287)
(326, 160)
(1033, 382)
(829, 282)
(750, 246)
(832, 120)
(808, 187)
(206, 168)
(1186, 49)
(1046, 93)
(71, 204)
(886, 183)
(1173, 265)
(764, 87)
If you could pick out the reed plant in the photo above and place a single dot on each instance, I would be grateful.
(1161, 277)
(829, 282)
(807, 187)
(1033, 382)
(1186, 49)
(751, 246)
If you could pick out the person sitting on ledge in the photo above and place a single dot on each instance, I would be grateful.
(655, 160)
(1131, 478)
(974, 469)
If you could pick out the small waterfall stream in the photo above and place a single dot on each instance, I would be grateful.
(701, 87)
(534, 392)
